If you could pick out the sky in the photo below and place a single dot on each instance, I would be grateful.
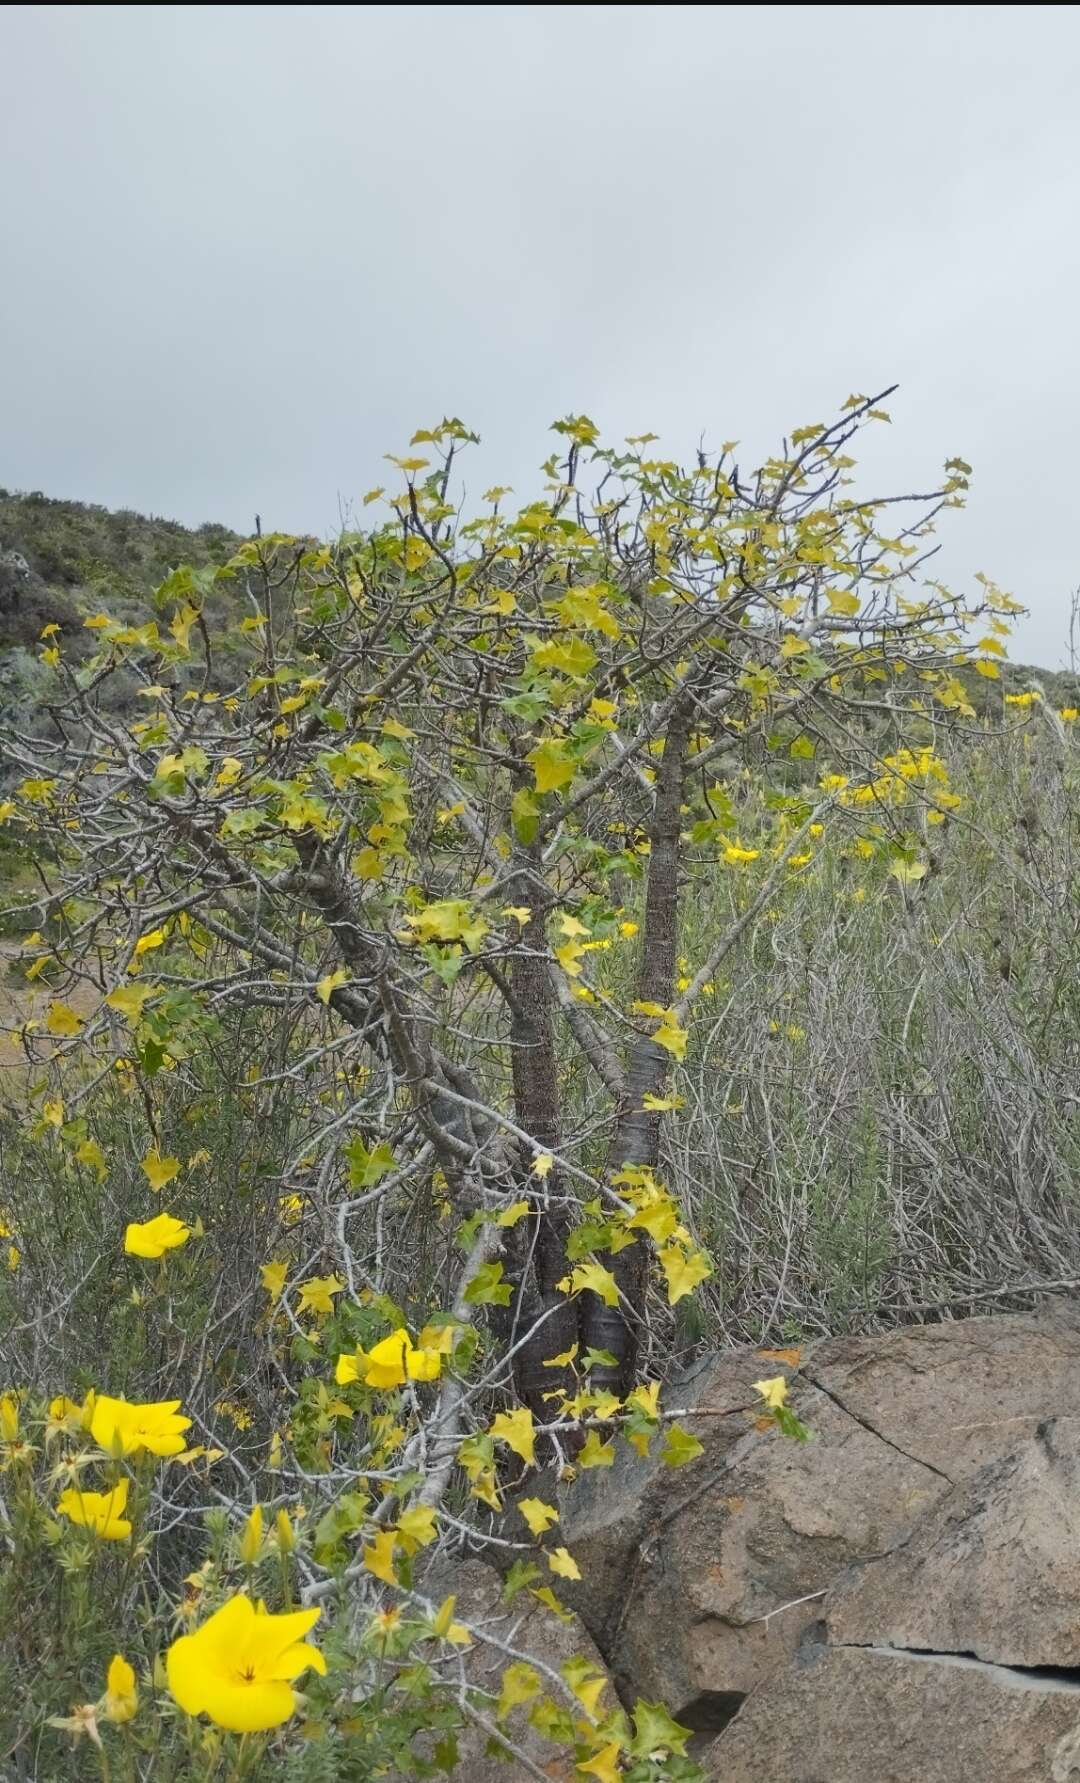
(248, 250)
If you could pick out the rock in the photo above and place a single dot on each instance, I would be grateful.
(537, 1635)
(733, 1556)
(873, 1715)
(960, 1394)
(27, 604)
(992, 1571)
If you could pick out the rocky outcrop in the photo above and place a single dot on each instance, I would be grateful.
(921, 1553)
(897, 1600)
(875, 1715)
(953, 1659)
(735, 1555)
(27, 604)
(732, 1555)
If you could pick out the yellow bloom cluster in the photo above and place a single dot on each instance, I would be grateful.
(121, 1429)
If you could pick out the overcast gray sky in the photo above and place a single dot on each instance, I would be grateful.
(247, 250)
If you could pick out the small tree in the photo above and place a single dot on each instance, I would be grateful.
(407, 822)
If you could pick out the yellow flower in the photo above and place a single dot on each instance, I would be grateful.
(103, 1512)
(238, 1667)
(737, 856)
(396, 1359)
(64, 1414)
(154, 1237)
(120, 1428)
(773, 1391)
(1069, 714)
(121, 1698)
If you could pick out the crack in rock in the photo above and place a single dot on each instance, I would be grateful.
(873, 1431)
(1012, 1677)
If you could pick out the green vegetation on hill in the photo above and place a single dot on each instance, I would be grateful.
(63, 561)
(92, 552)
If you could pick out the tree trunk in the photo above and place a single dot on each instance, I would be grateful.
(637, 1134)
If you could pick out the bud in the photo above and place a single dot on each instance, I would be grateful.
(286, 1535)
(121, 1698)
(251, 1540)
(9, 1417)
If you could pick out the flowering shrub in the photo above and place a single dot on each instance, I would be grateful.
(359, 1015)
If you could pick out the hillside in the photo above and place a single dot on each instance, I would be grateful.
(61, 560)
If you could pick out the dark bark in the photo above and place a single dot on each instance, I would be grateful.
(637, 1134)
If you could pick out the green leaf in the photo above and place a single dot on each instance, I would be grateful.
(487, 1287)
(791, 1425)
(525, 815)
(655, 1731)
(366, 1168)
(445, 1754)
(680, 1447)
(530, 705)
(522, 1574)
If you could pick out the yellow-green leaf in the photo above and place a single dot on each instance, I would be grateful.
(378, 1556)
(538, 1515)
(273, 1278)
(679, 1447)
(520, 1683)
(63, 1020)
(551, 765)
(604, 1765)
(594, 1453)
(516, 1430)
(562, 1562)
(683, 1270)
(130, 999)
(328, 985)
(512, 1214)
(594, 1277)
(158, 1170)
(419, 1524)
